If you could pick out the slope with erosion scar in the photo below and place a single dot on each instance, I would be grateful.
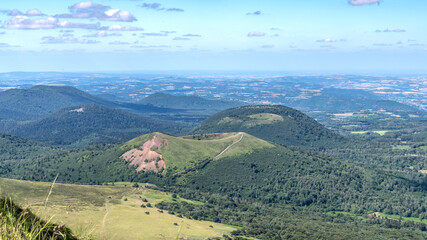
(160, 152)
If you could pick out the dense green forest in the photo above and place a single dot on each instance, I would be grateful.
(311, 182)
(15, 149)
(264, 221)
(92, 124)
(40, 101)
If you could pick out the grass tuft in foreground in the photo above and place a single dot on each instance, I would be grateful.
(17, 223)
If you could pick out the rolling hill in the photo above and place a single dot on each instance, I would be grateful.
(177, 154)
(187, 102)
(91, 124)
(234, 172)
(142, 158)
(41, 101)
(273, 123)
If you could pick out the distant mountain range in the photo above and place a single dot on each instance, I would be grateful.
(335, 100)
(187, 102)
(40, 101)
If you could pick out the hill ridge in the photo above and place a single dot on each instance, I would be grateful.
(275, 123)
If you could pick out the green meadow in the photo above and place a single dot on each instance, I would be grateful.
(110, 212)
(183, 152)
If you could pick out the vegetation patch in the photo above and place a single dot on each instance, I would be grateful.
(21, 224)
(182, 153)
(100, 212)
(380, 132)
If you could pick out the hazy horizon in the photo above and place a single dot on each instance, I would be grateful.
(132, 35)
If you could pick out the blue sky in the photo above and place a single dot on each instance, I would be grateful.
(280, 35)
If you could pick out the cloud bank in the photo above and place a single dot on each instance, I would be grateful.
(363, 2)
(256, 34)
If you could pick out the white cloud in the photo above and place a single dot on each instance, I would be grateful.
(7, 45)
(254, 13)
(191, 35)
(180, 39)
(117, 15)
(89, 9)
(66, 38)
(267, 46)
(23, 22)
(117, 27)
(87, 5)
(397, 30)
(327, 40)
(363, 2)
(34, 12)
(119, 43)
(15, 12)
(154, 34)
(67, 24)
(103, 34)
(256, 34)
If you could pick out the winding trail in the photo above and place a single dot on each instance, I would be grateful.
(105, 219)
(216, 157)
(229, 146)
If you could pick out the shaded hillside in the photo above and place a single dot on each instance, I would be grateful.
(187, 102)
(91, 124)
(274, 123)
(40, 101)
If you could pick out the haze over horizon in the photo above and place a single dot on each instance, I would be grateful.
(133, 35)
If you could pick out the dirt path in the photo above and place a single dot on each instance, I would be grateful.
(104, 220)
(225, 150)
(216, 157)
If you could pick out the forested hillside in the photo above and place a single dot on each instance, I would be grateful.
(275, 123)
(92, 124)
(187, 102)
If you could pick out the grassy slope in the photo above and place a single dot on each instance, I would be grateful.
(19, 224)
(274, 123)
(184, 152)
(102, 163)
(84, 210)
